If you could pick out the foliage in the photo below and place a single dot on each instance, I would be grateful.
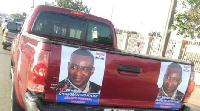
(24, 14)
(187, 20)
(76, 5)
(48, 4)
(155, 34)
(132, 32)
(18, 15)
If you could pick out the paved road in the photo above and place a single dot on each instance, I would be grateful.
(5, 84)
(194, 101)
(5, 81)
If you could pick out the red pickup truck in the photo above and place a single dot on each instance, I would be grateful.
(68, 60)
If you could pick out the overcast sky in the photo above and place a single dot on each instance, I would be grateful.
(138, 15)
(135, 15)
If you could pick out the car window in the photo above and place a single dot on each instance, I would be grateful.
(99, 33)
(19, 27)
(12, 26)
(58, 25)
(70, 27)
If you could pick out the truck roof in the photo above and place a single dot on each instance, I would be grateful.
(65, 11)
(69, 11)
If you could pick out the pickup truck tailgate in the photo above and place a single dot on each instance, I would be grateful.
(124, 80)
(125, 88)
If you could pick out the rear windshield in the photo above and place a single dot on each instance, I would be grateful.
(70, 27)
(14, 26)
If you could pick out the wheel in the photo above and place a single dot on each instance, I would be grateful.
(4, 46)
(11, 69)
(14, 104)
(185, 108)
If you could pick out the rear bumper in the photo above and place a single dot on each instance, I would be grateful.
(7, 41)
(34, 103)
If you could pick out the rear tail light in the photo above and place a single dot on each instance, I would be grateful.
(191, 86)
(5, 34)
(38, 72)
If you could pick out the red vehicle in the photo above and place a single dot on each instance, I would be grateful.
(68, 60)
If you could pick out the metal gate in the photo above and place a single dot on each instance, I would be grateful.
(191, 52)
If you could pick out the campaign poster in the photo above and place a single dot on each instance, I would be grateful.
(172, 83)
(81, 76)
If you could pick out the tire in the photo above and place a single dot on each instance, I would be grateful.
(185, 108)
(11, 69)
(14, 104)
(4, 46)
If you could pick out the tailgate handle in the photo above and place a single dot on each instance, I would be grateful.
(128, 68)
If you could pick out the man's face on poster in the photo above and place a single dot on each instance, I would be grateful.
(80, 68)
(172, 80)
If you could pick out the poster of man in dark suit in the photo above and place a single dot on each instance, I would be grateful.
(80, 68)
(81, 76)
(172, 84)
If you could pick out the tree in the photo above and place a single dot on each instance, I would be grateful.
(133, 32)
(154, 34)
(187, 20)
(77, 5)
(48, 4)
(24, 14)
(18, 16)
